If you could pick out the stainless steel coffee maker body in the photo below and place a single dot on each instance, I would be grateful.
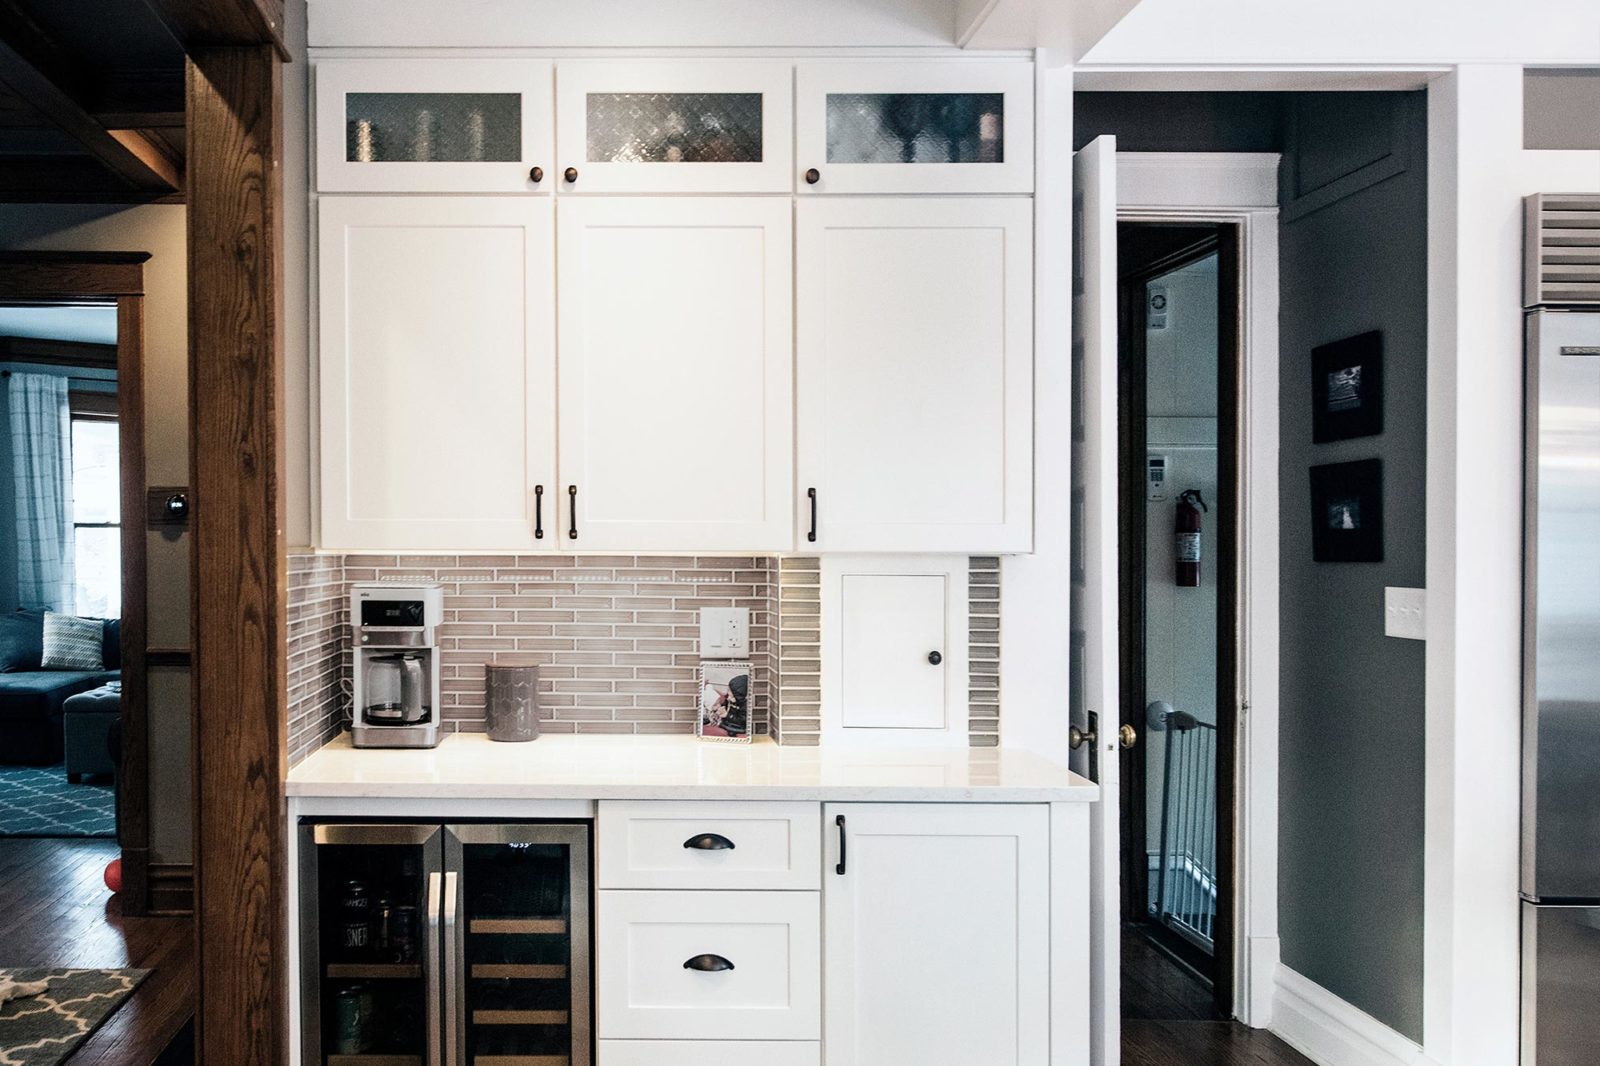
(396, 669)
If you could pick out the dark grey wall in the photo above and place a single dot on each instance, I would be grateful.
(1181, 122)
(1354, 258)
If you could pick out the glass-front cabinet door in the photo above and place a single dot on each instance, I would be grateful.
(516, 928)
(429, 125)
(370, 944)
(706, 126)
(955, 127)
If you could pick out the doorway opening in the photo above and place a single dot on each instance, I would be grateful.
(1179, 300)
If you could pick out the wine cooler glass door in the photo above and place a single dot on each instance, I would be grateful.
(517, 930)
(371, 951)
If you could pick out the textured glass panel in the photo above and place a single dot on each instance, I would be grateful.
(916, 127)
(433, 127)
(674, 127)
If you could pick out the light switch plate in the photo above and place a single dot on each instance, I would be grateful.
(724, 632)
(1405, 613)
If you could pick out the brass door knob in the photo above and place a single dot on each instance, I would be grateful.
(1076, 738)
(1127, 736)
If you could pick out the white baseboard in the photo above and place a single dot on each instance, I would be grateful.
(1331, 1032)
(1258, 985)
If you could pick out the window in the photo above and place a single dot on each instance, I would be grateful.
(96, 505)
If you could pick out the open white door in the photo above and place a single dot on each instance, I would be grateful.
(1094, 697)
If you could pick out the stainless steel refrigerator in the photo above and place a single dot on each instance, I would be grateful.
(1561, 691)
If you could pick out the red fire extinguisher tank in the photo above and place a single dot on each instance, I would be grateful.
(1187, 538)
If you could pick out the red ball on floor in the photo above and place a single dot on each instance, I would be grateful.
(114, 875)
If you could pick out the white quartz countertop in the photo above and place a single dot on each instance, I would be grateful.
(565, 766)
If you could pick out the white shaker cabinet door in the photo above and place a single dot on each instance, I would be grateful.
(676, 374)
(915, 374)
(937, 934)
(437, 373)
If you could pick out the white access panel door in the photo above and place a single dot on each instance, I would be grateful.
(915, 374)
(1093, 686)
(936, 934)
(676, 374)
(436, 349)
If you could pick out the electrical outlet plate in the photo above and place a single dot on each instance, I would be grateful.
(724, 632)
(1405, 613)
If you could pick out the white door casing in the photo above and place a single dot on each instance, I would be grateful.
(914, 374)
(676, 373)
(437, 372)
(1095, 567)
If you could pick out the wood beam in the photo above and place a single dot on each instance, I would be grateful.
(57, 353)
(237, 560)
(198, 23)
(61, 277)
(30, 67)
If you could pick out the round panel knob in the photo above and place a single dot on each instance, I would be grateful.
(934, 658)
(1127, 736)
(536, 175)
(571, 175)
(813, 176)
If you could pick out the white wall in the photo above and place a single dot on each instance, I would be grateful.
(1226, 32)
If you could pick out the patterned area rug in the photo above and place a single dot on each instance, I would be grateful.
(37, 801)
(45, 1029)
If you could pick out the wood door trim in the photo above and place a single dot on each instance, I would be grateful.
(62, 277)
(234, 97)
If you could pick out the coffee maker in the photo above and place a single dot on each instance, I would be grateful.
(396, 664)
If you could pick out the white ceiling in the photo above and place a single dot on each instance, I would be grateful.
(95, 325)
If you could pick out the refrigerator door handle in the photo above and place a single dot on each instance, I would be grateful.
(432, 958)
(454, 979)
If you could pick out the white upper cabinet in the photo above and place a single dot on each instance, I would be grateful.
(431, 125)
(938, 127)
(676, 373)
(915, 374)
(437, 373)
(685, 126)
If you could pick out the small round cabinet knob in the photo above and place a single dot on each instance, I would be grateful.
(571, 175)
(536, 175)
(1127, 736)
(934, 658)
(813, 176)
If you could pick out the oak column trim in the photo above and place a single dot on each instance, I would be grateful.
(234, 98)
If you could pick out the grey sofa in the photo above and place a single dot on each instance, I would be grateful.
(31, 698)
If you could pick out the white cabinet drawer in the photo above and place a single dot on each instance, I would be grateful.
(722, 845)
(653, 980)
(709, 1053)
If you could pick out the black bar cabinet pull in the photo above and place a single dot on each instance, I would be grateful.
(839, 869)
(812, 495)
(538, 512)
(572, 512)
(709, 842)
(708, 964)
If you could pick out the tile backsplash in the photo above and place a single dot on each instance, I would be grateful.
(615, 638)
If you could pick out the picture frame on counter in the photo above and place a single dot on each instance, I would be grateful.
(723, 704)
(1347, 388)
(1347, 512)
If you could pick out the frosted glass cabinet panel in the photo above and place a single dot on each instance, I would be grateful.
(952, 127)
(675, 127)
(427, 125)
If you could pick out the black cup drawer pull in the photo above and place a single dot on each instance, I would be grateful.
(708, 964)
(709, 842)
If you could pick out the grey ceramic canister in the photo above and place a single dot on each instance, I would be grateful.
(513, 702)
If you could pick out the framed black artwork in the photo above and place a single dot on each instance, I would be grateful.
(1347, 388)
(1347, 512)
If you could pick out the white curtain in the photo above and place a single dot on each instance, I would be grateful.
(41, 450)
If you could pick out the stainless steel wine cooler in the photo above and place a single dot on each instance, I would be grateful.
(445, 945)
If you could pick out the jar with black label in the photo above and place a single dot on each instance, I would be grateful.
(355, 917)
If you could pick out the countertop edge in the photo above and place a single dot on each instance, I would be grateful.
(731, 793)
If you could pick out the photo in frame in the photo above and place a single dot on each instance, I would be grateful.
(724, 702)
(1347, 388)
(1347, 512)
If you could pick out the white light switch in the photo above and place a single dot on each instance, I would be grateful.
(1405, 613)
(724, 632)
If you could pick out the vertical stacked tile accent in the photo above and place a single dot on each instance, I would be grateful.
(318, 633)
(798, 718)
(983, 651)
(615, 637)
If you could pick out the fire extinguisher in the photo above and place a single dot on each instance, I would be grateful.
(1188, 538)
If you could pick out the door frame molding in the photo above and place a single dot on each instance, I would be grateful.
(1242, 189)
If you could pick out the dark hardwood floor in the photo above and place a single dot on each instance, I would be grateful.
(55, 911)
(1168, 1018)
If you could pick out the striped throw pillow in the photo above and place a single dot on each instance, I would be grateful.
(72, 643)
